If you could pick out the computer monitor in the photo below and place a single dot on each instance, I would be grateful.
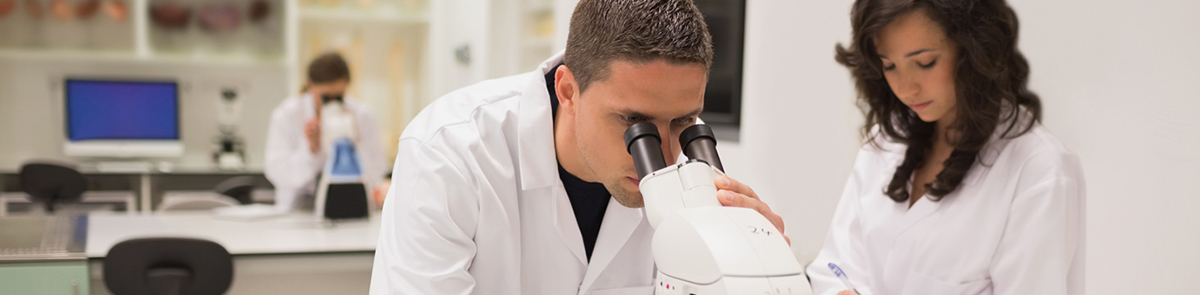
(122, 119)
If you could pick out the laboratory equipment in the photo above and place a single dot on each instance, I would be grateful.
(341, 191)
(701, 247)
(230, 150)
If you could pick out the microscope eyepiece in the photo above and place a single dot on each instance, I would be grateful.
(699, 142)
(643, 143)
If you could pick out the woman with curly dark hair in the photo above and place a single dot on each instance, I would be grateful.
(958, 188)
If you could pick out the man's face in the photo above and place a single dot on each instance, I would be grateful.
(669, 95)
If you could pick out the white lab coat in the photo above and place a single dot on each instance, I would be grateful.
(476, 205)
(293, 169)
(1014, 226)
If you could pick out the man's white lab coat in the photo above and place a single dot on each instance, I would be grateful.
(477, 207)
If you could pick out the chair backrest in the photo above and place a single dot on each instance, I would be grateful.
(238, 188)
(168, 266)
(52, 184)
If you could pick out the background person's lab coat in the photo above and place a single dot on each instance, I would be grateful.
(477, 207)
(1014, 226)
(294, 170)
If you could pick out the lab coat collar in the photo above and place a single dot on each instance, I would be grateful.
(618, 226)
(538, 160)
(999, 141)
(539, 169)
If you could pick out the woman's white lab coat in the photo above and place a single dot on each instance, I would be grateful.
(293, 169)
(1014, 226)
(476, 205)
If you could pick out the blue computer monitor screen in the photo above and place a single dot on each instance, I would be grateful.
(119, 110)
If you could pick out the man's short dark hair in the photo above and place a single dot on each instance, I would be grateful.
(329, 67)
(638, 31)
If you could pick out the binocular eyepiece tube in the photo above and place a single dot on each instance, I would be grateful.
(699, 142)
(645, 145)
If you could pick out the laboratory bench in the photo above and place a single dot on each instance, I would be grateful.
(135, 191)
(289, 254)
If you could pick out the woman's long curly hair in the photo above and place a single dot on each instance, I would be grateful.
(990, 85)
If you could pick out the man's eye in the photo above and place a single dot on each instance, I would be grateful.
(631, 119)
(685, 121)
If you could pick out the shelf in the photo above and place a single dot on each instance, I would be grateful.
(65, 54)
(129, 56)
(363, 16)
(233, 59)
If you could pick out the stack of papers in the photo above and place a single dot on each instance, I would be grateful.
(248, 212)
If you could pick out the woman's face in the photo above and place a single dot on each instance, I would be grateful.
(918, 63)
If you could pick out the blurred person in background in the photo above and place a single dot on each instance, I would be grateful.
(295, 155)
(958, 189)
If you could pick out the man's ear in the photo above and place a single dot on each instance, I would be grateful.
(566, 87)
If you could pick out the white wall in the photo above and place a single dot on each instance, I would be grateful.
(1117, 79)
(798, 133)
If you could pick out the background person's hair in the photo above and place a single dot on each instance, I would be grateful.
(990, 84)
(638, 31)
(328, 67)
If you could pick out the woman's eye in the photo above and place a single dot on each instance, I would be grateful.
(889, 67)
(928, 65)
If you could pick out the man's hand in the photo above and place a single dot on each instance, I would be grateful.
(312, 130)
(735, 194)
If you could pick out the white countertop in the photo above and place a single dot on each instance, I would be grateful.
(285, 234)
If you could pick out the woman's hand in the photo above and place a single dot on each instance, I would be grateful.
(847, 292)
(735, 194)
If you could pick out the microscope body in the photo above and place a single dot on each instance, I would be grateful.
(701, 247)
(341, 191)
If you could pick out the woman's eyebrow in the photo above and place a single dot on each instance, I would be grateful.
(910, 54)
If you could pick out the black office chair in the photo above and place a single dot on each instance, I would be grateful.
(51, 184)
(168, 266)
(239, 188)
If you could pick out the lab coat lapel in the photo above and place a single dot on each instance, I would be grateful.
(908, 216)
(538, 160)
(922, 209)
(568, 228)
(539, 163)
(619, 224)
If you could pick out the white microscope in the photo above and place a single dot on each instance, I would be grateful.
(341, 191)
(701, 247)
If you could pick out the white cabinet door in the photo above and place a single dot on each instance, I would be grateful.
(457, 43)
